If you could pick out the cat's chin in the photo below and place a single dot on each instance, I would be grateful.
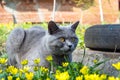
(66, 52)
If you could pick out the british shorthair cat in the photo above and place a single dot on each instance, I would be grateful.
(57, 41)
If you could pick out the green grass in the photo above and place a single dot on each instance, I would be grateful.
(67, 71)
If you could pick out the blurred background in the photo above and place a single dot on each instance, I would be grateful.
(36, 11)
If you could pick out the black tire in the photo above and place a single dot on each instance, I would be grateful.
(103, 37)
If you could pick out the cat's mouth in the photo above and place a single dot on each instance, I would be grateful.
(62, 52)
(67, 51)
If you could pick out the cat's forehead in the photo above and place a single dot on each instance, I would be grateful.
(65, 31)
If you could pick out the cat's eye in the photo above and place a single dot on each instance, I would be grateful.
(62, 39)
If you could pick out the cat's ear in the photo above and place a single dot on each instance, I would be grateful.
(52, 27)
(74, 26)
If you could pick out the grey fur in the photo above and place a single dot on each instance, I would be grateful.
(39, 43)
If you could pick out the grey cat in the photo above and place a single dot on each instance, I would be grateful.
(36, 42)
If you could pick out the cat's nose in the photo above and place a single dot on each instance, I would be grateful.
(69, 46)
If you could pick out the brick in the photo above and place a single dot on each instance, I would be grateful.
(66, 13)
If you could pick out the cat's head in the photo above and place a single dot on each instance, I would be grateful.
(63, 39)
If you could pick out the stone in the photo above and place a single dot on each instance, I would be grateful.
(91, 55)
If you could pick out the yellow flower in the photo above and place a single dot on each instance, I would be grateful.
(25, 69)
(92, 77)
(95, 61)
(79, 78)
(9, 68)
(62, 76)
(43, 69)
(84, 70)
(113, 78)
(49, 58)
(21, 72)
(37, 61)
(3, 60)
(116, 65)
(48, 79)
(57, 71)
(103, 77)
(29, 76)
(95, 77)
(9, 77)
(17, 78)
(0, 70)
(65, 64)
(24, 62)
(83, 30)
(2, 79)
(35, 68)
(12, 70)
